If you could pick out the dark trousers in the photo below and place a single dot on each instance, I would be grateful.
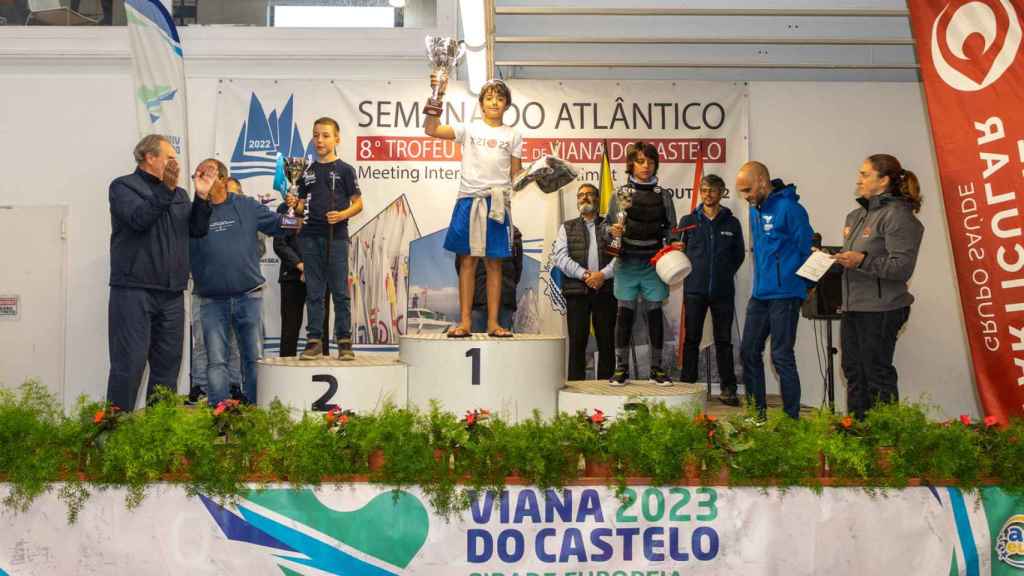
(293, 304)
(326, 274)
(722, 312)
(580, 311)
(778, 319)
(143, 325)
(869, 343)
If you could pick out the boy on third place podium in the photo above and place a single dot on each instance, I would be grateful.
(481, 225)
(648, 227)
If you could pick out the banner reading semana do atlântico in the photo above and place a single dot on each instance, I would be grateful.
(410, 181)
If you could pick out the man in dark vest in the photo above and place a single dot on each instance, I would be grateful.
(581, 253)
(152, 219)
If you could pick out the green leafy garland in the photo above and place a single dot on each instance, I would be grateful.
(220, 452)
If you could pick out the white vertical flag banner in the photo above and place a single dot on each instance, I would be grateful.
(158, 68)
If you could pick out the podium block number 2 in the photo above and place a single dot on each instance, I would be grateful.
(474, 353)
(321, 403)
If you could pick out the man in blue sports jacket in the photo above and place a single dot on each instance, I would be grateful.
(782, 235)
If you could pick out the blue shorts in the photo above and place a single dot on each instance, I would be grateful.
(634, 277)
(499, 234)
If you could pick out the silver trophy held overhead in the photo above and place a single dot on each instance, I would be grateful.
(294, 168)
(444, 53)
(624, 200)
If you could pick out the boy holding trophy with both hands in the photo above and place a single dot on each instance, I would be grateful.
(481, 224)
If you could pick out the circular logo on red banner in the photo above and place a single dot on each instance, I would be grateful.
(973, 43)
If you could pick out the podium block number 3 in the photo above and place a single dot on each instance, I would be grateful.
(474, 353)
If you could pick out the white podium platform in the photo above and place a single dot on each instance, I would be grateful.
(511, 377)
(591, 394)
(362, 385)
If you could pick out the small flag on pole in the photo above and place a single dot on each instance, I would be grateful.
(606, 187)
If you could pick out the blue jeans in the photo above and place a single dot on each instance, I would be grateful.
(199, 351)
(777, 318)
(322, 275)
(220, 316)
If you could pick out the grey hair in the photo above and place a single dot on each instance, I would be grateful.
(150, 144)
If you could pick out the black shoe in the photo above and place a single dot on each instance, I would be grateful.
(618, 377)
(196, 395)
(659, 377)
(729, 399)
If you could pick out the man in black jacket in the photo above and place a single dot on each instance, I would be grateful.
(293, 287)
(511, 272)
(151, 222)
(713, 241)
(581, 253)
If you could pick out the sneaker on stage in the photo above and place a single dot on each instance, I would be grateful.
(659, 377)
(618, 378)
(729, 399)
(314, 350)
(345, 352)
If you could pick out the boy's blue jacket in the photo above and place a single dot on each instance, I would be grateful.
(782, 237)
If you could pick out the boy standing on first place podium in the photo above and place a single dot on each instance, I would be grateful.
(481, 225)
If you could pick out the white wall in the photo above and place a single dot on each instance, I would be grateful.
(816, 135)
(67, 128)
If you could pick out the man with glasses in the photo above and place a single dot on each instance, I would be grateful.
(581, 254)
(713, 241)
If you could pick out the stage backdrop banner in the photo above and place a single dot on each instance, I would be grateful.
(382, 137)
(368, 530)
(973, 74)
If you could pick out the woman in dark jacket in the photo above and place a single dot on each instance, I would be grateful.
(880, 243)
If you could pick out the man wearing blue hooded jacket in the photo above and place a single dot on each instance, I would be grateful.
(781, 233)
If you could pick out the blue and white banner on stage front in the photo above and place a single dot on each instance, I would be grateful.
(366, 530)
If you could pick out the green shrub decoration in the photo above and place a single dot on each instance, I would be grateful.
(221, 452)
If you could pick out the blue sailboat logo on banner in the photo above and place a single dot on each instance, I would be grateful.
(262, 137)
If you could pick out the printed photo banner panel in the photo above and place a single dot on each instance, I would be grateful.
(972, 68)
(382, 137)
(364, 529)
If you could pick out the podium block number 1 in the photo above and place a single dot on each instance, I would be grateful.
(474, 353)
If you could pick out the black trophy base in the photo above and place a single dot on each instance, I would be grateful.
(291, 222)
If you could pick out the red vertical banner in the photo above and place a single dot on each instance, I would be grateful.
(972, 67)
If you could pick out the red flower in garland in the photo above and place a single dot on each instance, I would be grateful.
(103, 414)
(224, 406)
(475, 416)
(991, 421)
(336, 415)
(965, 419)
(597, 417)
